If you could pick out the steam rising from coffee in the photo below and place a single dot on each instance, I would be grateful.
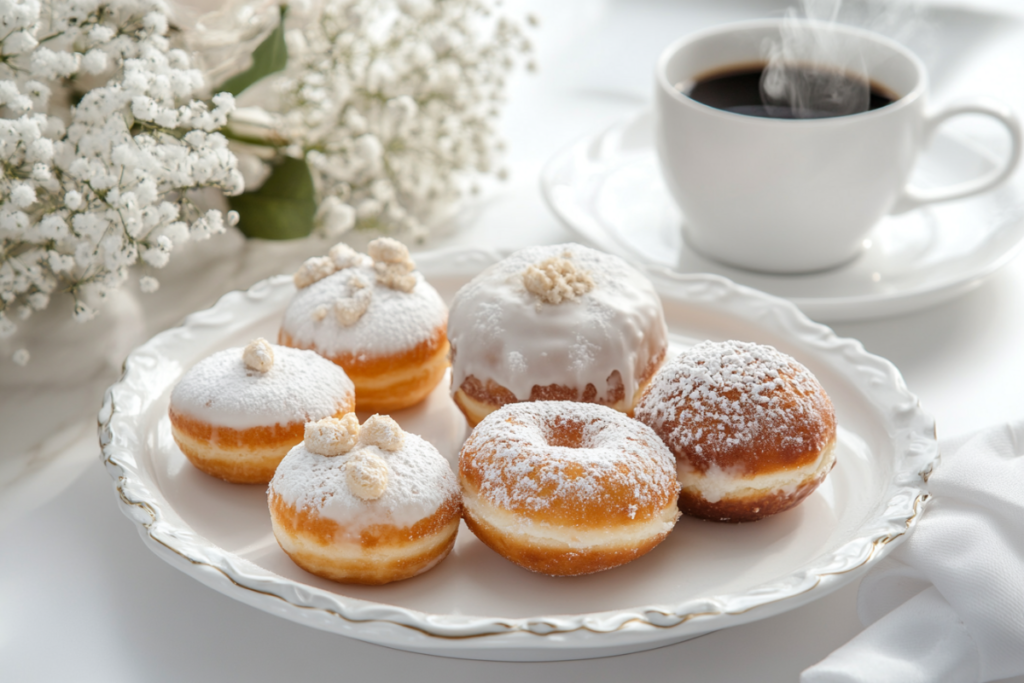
(812, 73)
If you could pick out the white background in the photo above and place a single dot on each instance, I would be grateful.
(81, 598)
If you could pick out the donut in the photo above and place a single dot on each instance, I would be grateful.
(567, 488)
(237, 413)
(753, 431)
(561, 323)
(376, 317)
(368, 505)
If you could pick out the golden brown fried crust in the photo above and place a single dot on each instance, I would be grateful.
(491, 393)
(606, 510)
(239, 456)
(388, 383)
(377, 556)
(565, 562)
(324, 531)
(478, 399)
(267, 436)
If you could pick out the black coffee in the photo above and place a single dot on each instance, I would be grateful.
(795, 92)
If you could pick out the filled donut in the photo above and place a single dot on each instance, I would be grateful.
(567, 488)
(237, 413)
(368, 505)
(752, 430)
(559, 322)
(376, 317)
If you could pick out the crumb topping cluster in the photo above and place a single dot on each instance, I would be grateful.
(366, 472)
(391, 263)
(258, 355)
(557, 279)
(332, 436)
(383, 432)
(313, 270)
(349, 309)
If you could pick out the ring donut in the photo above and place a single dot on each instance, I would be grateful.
(567, 488)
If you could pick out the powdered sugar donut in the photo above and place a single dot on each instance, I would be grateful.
(559, 322)
(376, 317)
(567, 488)
(753, 431)
(370, 504)
(236, 413)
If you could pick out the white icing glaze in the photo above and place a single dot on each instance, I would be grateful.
(499, 331)
(299, 387)
(394, 321)
(419, 482)
(514, 441)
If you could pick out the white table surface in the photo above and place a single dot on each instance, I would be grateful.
(82, 599)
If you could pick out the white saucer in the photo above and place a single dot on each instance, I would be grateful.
(608, 189)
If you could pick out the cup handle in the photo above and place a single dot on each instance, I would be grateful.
(913, 197)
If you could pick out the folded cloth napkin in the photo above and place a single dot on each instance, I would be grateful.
(948, 604)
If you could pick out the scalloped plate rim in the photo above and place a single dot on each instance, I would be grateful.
(635, 628)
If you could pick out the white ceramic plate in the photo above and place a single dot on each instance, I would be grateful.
(608, 189)
(704, 577)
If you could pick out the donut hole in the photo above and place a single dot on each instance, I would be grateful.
(563, 433)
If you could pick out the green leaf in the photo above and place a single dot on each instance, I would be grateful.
(283, 209)
(269, 57)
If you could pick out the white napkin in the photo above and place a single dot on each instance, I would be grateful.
(948, 604)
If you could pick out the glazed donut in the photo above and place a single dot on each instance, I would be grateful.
(567, 488)
(365, 505)
(237, 413)
(560, 322)
(753, 431)
(374, 316)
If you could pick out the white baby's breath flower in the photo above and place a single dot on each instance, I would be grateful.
(392, 103)
(95, 61)
(22, 195)
(335, 217)
(88, 190)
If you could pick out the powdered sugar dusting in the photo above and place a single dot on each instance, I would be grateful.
(498, 329)
(720, 396)
(392, 321)
(419, 482)
(520, 467)
(300, 386)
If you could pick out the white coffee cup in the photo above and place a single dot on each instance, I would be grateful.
(798, 195)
